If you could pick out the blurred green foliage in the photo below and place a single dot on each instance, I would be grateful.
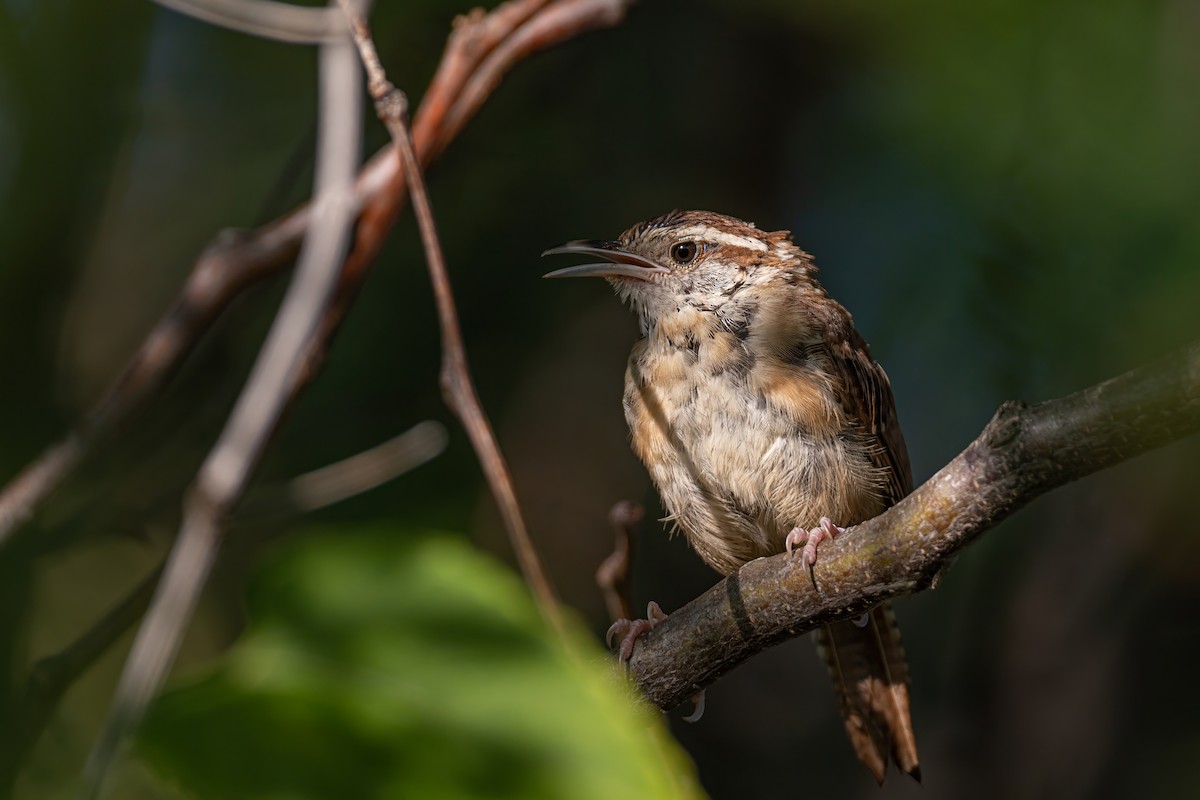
(1004, 193)
(387, 663)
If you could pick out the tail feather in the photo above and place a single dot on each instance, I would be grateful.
(870, 679)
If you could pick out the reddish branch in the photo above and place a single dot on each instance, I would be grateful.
(480, 51)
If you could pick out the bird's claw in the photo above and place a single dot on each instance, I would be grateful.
(809, 540)
(698, 710)
(628, 630)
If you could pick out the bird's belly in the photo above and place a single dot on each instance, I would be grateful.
(737, 475)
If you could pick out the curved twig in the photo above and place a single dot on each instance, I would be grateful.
(1025, 451)
(236, 260)
(52, 675)
(232, 263)
(283, 22)
(458, 388)
(226, 470)
(612, 576)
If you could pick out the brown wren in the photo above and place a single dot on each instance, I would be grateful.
(763, 419)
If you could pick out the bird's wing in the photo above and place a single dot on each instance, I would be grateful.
(865, 395)
(867, 662)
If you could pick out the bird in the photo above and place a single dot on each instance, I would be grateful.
(765, 425)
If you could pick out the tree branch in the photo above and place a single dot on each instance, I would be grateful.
(363, 471)
(233, 262)
(458, 388)
(225, 472)
(52, 675)
(1023, 452)
(283, 22)
(477, 55)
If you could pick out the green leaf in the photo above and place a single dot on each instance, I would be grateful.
(391, 664)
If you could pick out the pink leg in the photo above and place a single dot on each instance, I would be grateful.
(809, 540)
(628, 630)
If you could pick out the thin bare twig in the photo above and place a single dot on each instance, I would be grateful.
(391, 106)
(283, 22)
(223, 475)
(231, 264)
(612, 576)
(475, 55)
(237, 260)
(1024, 451)
(457, 387)
(53, 675)
(366, 470)
(343, 479)
(459, 391)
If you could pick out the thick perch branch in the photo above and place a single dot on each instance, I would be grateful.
(1022, 453)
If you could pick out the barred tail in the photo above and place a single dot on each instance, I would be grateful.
(870, 679)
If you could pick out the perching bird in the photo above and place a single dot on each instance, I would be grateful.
(763, 420)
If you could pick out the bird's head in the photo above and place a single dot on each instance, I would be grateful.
(689, 261)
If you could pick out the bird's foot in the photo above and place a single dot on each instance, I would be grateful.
(628, 630)
(809, 540)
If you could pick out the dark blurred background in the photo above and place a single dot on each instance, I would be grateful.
(1006, 195)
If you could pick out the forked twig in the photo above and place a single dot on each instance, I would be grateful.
(223, 475)
(480, 51)
(52, 675)
(457, 386)
(476, 55)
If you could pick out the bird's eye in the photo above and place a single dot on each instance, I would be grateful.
(685, 252)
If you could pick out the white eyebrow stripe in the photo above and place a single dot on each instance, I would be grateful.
(708, 234)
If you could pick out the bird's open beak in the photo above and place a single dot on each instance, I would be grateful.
(618, 263)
